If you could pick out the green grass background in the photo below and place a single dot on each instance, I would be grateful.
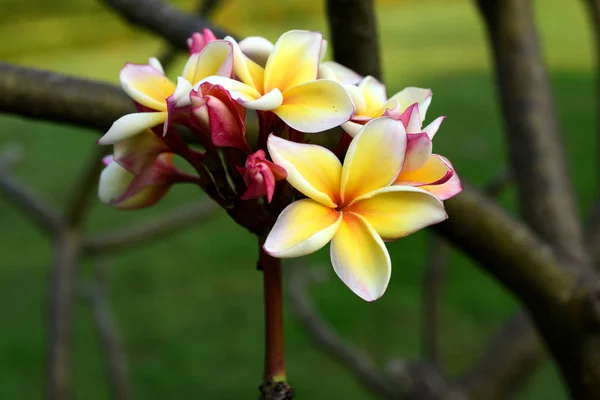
(190, 305)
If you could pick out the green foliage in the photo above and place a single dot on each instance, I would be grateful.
(190, 305)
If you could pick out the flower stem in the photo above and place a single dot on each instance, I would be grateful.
(274, 346)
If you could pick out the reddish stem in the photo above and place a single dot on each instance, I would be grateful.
(274, 346)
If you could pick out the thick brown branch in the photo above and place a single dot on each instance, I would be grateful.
(162, 19)
(40, 212)
(60, 314)
(354, 35)
(47, 95)
(204, 9)
(505, 248)
(535, 143)
(128, 237)
(326, 339)
(507, 363)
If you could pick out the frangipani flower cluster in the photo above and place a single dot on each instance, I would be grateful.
(245, 118)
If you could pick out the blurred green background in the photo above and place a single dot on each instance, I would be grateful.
(190, 306)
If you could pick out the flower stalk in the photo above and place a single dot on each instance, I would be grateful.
(275, 385)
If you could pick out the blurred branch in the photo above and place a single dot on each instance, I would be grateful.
(506, 365)
(125, 238)
(354, 35)
(60, 314)
(110, 339)
(535, 142)
(85, 188)
(506, 248)
(498, 184)
(163, 19)
(204, 8)
(51, 96)
(41, 213)
(433, 280)
(546, 193)
(593, 228)
(326, 339)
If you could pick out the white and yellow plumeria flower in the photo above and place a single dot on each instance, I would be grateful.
(288, 85)
(157, 95)
(353, 205)
(371, 101)
(258, 49)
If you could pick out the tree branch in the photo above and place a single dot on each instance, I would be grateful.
(204, 9)
(505, 248)
(433, 280)
(84, 188)
(326, 339)
(125, 238)
(593, 228)
(164, 20)
(532, 129)
(354, 35)
(60, 314)
(54, 97)
(41, 213)
(507, 362)
(110, 339)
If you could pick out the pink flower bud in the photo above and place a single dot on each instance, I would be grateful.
(215, 111)
(260, 175)
(198, 40)
(122, 189)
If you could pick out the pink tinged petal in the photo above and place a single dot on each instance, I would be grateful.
(294, 60)
(323, 51)
(268, 102)
(132, 124)
(433, 127)
(135, 153)
(410, 95)
(238, 90)
(411, 119)
(435, 171)
(374, 158)
(245, 69)
(302, 228)
(352, 128)
(447, 189)
(114, 181)
(398, 211)
(257, 49)
(155, 63)
(393, 110)
(339, 73)
(181, 95)
(374, 96)
(146, 85)
(315, 106)
(311, 169)
(359, 257)
(146, 197)
(215, 59)
(418, 151)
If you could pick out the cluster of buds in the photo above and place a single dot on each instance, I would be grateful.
(297, 149)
